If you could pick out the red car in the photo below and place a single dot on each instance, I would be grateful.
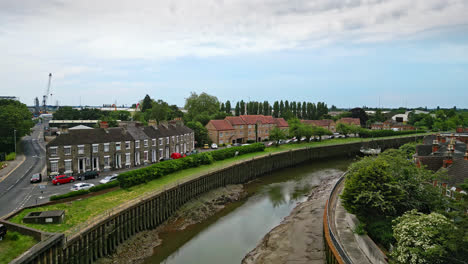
(61, 179)
(177, 155)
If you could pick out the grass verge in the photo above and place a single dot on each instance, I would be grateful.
(80, 211)
(13, 245)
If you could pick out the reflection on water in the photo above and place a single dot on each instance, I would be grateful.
(229, 235)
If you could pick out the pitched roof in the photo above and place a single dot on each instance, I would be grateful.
(280, 122)
(235, 120)
(433, 163)
(423, 150)
(80, 127)
(321, 123)
(457, 172)
(221, 125)
(90, 136)
(350, 121)
(137, 133)
(429, 139)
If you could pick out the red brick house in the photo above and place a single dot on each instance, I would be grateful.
(349, 121)
(325, 123)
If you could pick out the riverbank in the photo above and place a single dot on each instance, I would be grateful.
(299, 237)
(140, 246)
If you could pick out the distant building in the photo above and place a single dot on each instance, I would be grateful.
(447, 152)
(349, 121)
(102, 149)
(391, 125)
(325, 123)
(240, 129)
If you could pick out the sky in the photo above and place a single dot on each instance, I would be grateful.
(348, 53)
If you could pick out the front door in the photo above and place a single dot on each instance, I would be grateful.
(81, 165)
(95, 163)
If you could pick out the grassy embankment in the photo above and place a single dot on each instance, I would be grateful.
(13, 245)
(80, 211)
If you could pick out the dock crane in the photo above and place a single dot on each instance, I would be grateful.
(45, 96)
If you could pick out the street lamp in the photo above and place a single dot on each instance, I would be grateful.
(14, 133)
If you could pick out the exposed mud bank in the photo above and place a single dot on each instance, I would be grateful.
(141, 246)
(299, 237)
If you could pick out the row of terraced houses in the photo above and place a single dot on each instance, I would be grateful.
(103, 149)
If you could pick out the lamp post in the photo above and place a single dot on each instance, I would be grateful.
(14, 133)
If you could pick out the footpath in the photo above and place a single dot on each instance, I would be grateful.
(11, 166)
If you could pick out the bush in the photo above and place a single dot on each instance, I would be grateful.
(380, 229)
(11, 156)
(250, 141)
(367, 133)
(139, 176)
(101, 187)
(68, 195)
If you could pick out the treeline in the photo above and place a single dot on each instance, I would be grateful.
(69, 113)
(439, 120)
(14, 116)
(284, 109)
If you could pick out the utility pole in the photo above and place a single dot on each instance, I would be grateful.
(14, 133)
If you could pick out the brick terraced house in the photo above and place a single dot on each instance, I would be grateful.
(325, 123)
(104, 149)
(240, 129)
(448, 152)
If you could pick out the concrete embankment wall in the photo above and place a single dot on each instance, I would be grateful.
(102, 237)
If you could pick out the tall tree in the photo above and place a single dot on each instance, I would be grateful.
(266, 107)
(281, 108)
(147, 103)
(222, 109)
(299, 111)
(14, 116)
(294, 108)
(286, 106)
(242, 107)
(228, 107)
(276, 109)
(201, 104)
(237, 111)
(260, 108)
(304, 109)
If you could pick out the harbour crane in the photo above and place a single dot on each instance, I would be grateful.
(45, 96)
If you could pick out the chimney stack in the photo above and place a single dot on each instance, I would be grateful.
(466, 155)
(103, 124)
(447, 161)
(435, 146)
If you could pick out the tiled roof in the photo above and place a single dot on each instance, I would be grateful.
(90, 136)
(322, 123)
(280, 122)
(433, 163)
(350, 121)
(253, 119)
(137, 132)
(221, 125)
(457, 172)
(423, 150)
(235, 120)
(269, 120)
(429, 139)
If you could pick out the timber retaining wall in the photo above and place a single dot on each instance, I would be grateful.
(102, 237)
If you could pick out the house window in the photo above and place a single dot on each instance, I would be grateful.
(221, 134)
(106, 147)
(127, 158)
(153, 155)
(173, 139)
(240, 127)
(167, 140)
(127, 144)
(81, 149)
(154, 142)
(95, 148)
(67, 150)
(117, 145)
(160, 141)
(146, 143)
(54, 166)
(161, 153)
(221, 142)
(145, 155)
(106, 162)
(68, 166)
(53, 151)
(137, 143)
(137, 158)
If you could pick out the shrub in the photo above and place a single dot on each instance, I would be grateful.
(10, 156)
(380, 229)
(359, 229)
(367, 133)
(68, 195)
(101, 187)
(226, 153)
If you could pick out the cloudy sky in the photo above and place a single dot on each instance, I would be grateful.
(343, 52)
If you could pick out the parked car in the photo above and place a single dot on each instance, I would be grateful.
(206, 146)
(61, 179)
(176, 155)
(88, 175)
(81, 186)
(237, 144)
(269, 144)
(110, 178)
(245, 144)
(3, 231)
(229, 146)
(214, 146)
(36, 177)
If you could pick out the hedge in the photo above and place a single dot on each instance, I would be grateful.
(367, 133)
(139, 176)
(96, 188)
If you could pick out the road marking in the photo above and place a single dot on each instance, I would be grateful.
(8, 174)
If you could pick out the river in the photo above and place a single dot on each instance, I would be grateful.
(230, 234)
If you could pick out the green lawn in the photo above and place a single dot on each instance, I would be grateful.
(79, 211)
(13, 245)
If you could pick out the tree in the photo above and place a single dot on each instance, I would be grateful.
(320, 131)
(306, 131)
(281, 108)
(242, 107)
(299, 111)
(277, 134)
(67, 113)
(294, 108)
(228, 107)
(266, 108)
(424, 238)
(201, 104)
(304, 111)
(343, 128)
(147, 103)
(14, 116)
(222, 109)
(286, 106)
(201, 133)
(276, 109)
(159, 111)
(237, 111)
